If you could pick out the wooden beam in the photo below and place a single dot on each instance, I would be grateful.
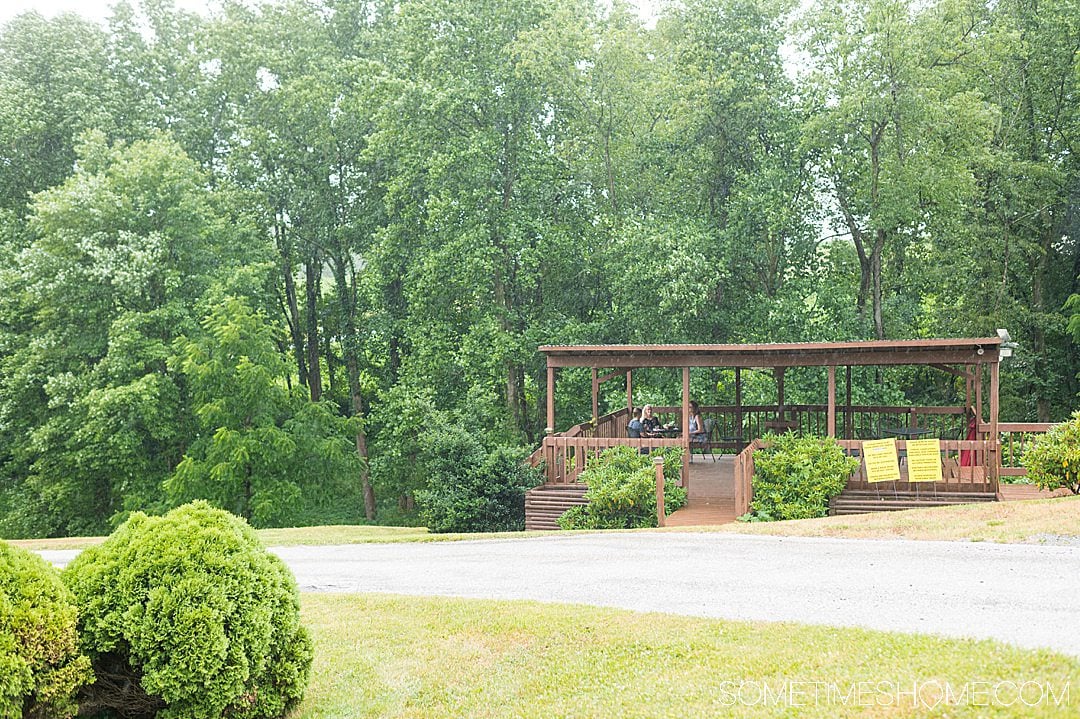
(830, 425)
(629, 391)
(550, 400)
(849, 423)
(995, 457)
(595, 395)
(738, 404)
(686, 426)
(978, 390)
(772, 359)
(658, 463)
(778, 372)
(951, 370)
(616, 373)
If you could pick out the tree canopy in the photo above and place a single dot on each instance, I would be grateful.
(256, 256)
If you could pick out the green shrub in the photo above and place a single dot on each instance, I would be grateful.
(794, 477)
(187, 615)
(1053, 459)
(622, 490)
(41, 668)
(470, 489)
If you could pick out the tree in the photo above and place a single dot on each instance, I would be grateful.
(260, 451)
(895, 138)
(123, 252)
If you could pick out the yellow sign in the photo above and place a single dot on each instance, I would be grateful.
(924, 460)
(881, 462)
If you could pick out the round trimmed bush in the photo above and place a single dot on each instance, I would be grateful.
(188, 615)
(41, 668)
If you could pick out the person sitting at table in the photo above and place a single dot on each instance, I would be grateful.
(650, 426)
(633, 428)
(695, 426)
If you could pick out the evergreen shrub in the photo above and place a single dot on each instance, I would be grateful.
(622, 490)
(471, 489)
(187, 615)
(795, 477)
(41, 668)
(1053, 459)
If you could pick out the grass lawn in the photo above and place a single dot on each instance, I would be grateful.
(392, 656)
(1033, 521)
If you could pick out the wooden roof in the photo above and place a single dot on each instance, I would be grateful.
(796, 354)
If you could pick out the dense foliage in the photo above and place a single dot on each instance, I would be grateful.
(393, 203)
(622, 490)
(795, 477)
(1053, 459)
(41, 667)
(187, 615)
(472, 489)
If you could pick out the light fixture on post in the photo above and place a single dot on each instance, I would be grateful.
(1007, 345)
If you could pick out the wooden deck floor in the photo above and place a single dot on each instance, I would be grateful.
(712, 493)
(1020, 492)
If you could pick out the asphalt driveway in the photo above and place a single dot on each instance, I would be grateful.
(1027, 595)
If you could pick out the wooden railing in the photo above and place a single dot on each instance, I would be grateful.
(565, 458)
(854, 422)
(744, 477)
(566, 455)
(1015, 438)
(966, 466)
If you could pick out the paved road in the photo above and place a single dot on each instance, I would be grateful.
(1024, 594)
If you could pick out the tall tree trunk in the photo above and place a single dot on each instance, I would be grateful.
(352, 368)
(865, 267)
(312, 272)
(292, 309)
(346, 293)
(1038, 307)
(875, 268)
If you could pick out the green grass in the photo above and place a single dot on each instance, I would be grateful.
(1033, 521)
(308, 536)
(392, 656)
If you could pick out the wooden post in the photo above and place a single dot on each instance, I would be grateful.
(550, 400)
(978, 393)
(831, 412)
(849, 421)
(686, 426)
(629, 391)
(595, 396)
(658, 462)
(738, 405)
(995, 440)
(967, 387)
(778, 372)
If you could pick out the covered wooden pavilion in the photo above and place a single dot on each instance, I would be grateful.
(739, 427)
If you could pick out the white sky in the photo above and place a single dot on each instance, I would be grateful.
(92, 9)
(99, 9)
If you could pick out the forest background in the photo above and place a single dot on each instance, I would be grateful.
(264, 256)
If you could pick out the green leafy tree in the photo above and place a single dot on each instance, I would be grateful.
(123, 252)
(259, 449)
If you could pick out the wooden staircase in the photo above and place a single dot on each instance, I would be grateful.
(861, 501)
(546, 503)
